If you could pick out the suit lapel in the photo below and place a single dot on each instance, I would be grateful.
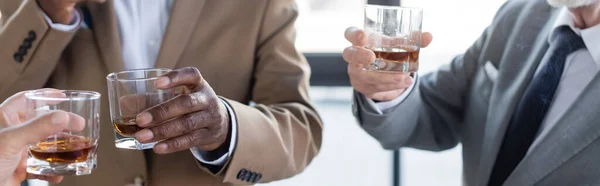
(183, 19)
(104, 26)
(575, 130)
(525, 52)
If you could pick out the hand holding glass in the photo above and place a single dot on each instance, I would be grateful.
(130, 93)
(73, 151)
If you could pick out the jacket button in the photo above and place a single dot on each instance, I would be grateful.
(26, 44)
(18, 58)
(22, 50)
(247, 176)
(241, 174)
(258, 177)
(252, 178)
(32, 35)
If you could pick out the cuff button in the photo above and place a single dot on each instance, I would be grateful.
(31, 36)
(241, 174)
(18, 58)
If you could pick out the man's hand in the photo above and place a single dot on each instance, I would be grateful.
(196, 118)
(374, 85)
(16, 133)
(61, 11)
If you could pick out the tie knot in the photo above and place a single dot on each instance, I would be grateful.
(566, 41)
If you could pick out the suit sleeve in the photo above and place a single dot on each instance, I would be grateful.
(430, 118)
(281, 134)
(30, 48)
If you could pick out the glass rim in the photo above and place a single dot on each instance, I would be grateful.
(113, 76)
(38, 95)
(387, 7)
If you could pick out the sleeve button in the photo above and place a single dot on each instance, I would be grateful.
(18, 58)
(32, 35)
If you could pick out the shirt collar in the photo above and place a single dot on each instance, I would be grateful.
(589, 35)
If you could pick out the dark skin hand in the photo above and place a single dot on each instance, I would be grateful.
(195, 118)
(61, 11)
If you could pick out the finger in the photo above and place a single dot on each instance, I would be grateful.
(36, 130)
(426, 39)
(358, 55)
(369, 90)
(356, 36)
(374, 77)
(131, 105)
(51, 179)
(20, 173)
(180, 105)
(175, 127)
(386, 96)
(193, 139)
(18, 102)
(189, 77)
(389, 87)
(76, 123)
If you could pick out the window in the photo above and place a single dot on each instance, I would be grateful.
(322, 23)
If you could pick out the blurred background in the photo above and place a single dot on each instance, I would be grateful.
(350, 157)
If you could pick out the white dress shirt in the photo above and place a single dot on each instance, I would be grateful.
(581, 67)
(142, 24)
(141, 29)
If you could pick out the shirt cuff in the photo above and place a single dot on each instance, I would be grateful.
(382, 107)
(61, 27)
(200, 154)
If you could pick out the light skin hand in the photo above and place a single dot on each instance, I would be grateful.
(16, 133)
(374, 85)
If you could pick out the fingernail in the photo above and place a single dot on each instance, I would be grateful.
(60, 118)
(160, 147)
(144, 135)
(143, 119)
(162, 81)
(408, 80)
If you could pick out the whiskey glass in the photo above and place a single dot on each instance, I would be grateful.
(130, 93)
(394, 35)
(73, 150)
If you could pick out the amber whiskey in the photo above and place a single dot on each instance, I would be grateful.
(398, 58)
(126, 126)
(64, 150)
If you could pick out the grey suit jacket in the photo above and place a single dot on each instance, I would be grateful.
(459, 103)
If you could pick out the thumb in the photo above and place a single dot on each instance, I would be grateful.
(356, 36)
(426, 39)
(35, 130)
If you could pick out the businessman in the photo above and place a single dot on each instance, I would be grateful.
(226, 54)
(522, 101)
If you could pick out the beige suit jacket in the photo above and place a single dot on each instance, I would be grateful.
(244, 49)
